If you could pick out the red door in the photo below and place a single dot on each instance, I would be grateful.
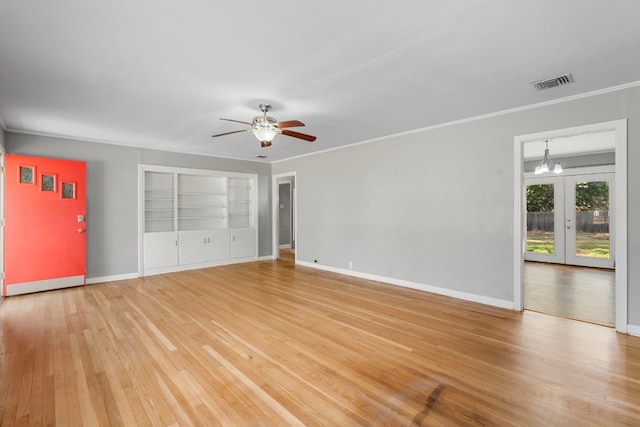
(45, 225)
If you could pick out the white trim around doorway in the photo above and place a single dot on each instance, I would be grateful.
(519, 241)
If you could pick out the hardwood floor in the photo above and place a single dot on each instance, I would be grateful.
(272, 344)
(580, 293)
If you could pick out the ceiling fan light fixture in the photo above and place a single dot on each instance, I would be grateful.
(265, 128)
(264, 134)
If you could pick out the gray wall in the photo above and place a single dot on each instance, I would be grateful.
(2, 137)
(436, 207)
(112, 194)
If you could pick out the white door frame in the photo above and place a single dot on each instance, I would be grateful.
(519, 241)
(275, 203)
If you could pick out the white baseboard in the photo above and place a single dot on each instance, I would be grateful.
(152, 272)
(24, 288)
(176, 268)
(414, 285)
(633, 330)
(114, 278)
(65, 282)
(45, 285)
(287, 246)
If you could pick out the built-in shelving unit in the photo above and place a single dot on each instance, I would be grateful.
(192, 218)
(202, 202)
(240, 209)
(159, 202)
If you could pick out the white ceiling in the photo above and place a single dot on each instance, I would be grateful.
(159, 73)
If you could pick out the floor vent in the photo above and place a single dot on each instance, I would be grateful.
(553, 82)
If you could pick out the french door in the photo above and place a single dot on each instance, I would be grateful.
(570, 220)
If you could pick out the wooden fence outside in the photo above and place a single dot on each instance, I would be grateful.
(586, 221)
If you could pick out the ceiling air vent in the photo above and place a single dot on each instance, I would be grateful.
(553, 82)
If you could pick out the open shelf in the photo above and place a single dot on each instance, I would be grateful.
(197, 201)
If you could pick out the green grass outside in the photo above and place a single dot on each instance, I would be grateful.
(594, 245)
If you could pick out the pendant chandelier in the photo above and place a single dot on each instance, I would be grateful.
(547, 164)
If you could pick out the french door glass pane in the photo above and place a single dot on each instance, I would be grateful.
(540, 219)
(592, 219)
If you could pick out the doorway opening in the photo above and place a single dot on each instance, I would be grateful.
(284, 216)
(569, 232)
(570, 249)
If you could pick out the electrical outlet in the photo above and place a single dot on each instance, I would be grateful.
(350, 265)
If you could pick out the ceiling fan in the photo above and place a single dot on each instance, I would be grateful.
(265, 128)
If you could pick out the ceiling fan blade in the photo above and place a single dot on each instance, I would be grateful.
(298, 135)
(289, 124)
(237, 121)
(229, 133)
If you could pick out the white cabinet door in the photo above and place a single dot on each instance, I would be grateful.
(193, 246)
(160, 250)
(218, 245)
(204, 246)
(243, 243)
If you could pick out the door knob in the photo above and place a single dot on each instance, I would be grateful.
(81, 230)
